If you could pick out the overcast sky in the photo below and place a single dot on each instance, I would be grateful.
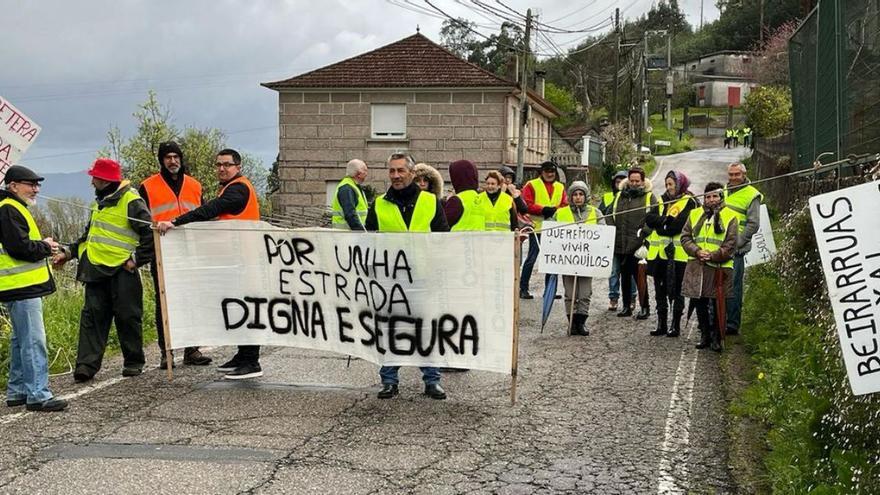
(77, 68)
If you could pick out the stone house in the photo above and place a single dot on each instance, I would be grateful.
(411, 96)
(719, 79)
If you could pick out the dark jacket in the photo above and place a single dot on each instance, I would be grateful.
(348, 200)
(699, 278)
(17, 243)
(627, 223)
(86, 271)
(405, 199)
(233, 201)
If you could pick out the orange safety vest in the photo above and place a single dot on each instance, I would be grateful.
(164, 205)
(251, 210)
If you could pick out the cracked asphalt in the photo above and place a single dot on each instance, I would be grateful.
(593, 415)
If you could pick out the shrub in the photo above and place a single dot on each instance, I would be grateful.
(768, 109)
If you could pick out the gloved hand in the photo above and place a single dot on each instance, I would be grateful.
(548, 212)
(641, 253)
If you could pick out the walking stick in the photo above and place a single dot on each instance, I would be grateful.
(720, 302)
(517, 254)
(642, 283)
(160, 270)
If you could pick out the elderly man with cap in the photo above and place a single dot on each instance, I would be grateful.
(543, 196)
(118, 240)
(24, 280)
(169, 194)
(349, 201)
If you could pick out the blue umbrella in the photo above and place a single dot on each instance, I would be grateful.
(549, 296)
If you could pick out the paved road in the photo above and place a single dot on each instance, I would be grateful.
(616, 412)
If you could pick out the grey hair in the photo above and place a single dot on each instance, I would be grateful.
(741, 166)
(410, 163)
(354, 166)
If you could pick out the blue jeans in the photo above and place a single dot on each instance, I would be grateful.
(529, 263)
(28, 366)
(430, 375)
(614, 281)
(735, 300)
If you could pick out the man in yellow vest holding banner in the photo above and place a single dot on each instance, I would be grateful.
(117, 241)
(24, 280)
(543, 196)
(349, 202)
(745, 201)
(406, 208)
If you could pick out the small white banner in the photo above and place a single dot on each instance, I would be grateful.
(17, 133)
(848, 236)
(440, 299)
(661, 142)
(579, 249)
(763, 244)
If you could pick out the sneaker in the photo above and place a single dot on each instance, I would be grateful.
(50, 405)
(15, 402)
(228, 366)
(132, 371)
(244, 372)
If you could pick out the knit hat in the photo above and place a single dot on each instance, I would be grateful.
(169, 147)
(578, 185)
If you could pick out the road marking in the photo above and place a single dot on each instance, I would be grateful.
(673, 476)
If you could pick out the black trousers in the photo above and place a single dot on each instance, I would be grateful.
(629, 266)
(117, 299)
(663, 292)
(706, 314)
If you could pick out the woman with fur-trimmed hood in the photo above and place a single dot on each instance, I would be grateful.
(628, 214)
(428, 179)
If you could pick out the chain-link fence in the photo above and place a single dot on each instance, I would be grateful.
(835, 78)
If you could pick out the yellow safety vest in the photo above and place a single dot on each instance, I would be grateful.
(390, 220)
(739, 201)
(647, 202)
(498, 215)
(607, 199)
(361, 208)
(657, 243)
(706, 238)
(18, 274)
(542, 199)
(565, 215)
(473, 216)
(111, 240)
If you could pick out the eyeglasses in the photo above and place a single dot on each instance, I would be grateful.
(34, 185)
(225, 164)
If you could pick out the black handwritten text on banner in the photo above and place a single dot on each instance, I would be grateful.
(442, 299)
(577, 249)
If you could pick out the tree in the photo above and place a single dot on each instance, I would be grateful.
(457, 36)
(665, 15)
(768, 109)
(493, 54)
(770, 65)
(565, 102)
(138, 153)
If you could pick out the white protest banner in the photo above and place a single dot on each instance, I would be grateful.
(763, 244)
(17, 133)
(848, 236)
(578, 249)
(439, 299)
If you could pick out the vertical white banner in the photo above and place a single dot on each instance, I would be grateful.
(847, 230)
(763, 244)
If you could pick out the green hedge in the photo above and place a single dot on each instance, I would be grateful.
(822, 439)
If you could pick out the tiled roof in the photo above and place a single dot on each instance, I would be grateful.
(413, 62)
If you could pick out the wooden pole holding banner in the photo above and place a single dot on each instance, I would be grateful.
(160, 270)
(574, 293)
(517, 254)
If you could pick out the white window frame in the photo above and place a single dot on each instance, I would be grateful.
(391, 131)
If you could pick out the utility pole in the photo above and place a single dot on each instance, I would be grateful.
(614, 115)
(701, 14)
(669, 79)
(761, 24)
(524, 100)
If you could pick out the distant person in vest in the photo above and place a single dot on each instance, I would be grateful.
(605, 208)
(406, 208)
(169, 194)
(236, 200)
(24, 280)
(466, 209)
(428, 179)
(666, 257)
(628, 214)
(349, 201)
(745, 201)
(501, 207)
(117, 241)
(509, 187)
(543, 196)
(579, 210)
(709, 239)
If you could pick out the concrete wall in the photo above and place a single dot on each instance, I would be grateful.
(320, 131)
(715, 93)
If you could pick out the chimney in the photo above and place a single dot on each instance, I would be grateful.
(539, 82)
